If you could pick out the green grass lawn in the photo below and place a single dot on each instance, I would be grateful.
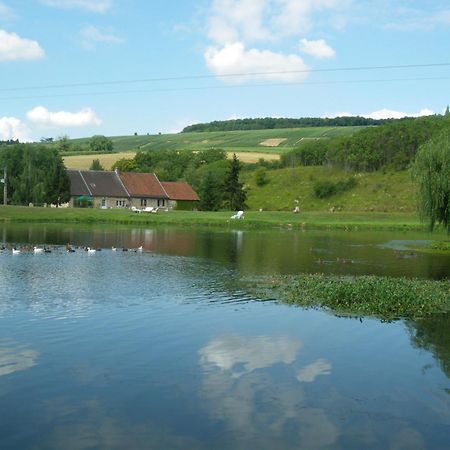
(374, 192)
(253, 219)
(228, 140)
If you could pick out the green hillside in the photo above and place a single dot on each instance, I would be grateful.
(374, 191)
(242, 141)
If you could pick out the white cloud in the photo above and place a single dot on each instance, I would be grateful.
(264, 20)
(391, 114)
(91, 35)
(236, 59)
(319, 49)
(232, 20)
(99, 6)
(13, 128)
(42, 116)
(309, 373)
(6, 13)
(249, 353)
(13, 47)
(384, 114)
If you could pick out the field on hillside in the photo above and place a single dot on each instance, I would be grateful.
(242, 141)
(83, 162)
(375, 191)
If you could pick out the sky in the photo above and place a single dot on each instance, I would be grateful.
(115, 67)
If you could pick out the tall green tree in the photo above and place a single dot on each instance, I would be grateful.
(210, 192)
(432, 172)
(234, 192)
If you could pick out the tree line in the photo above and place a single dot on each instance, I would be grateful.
(35, 174)
(392, 145)
(269, 123)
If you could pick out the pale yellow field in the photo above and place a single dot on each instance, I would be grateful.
(254, 157)
(272, 142)
(83, 162)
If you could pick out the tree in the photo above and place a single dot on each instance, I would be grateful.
(432, 171)
(261, 177)
(447, 112)
(96, 165)
(126, 165)
(64, 144)
(210, 192)
(100, 144)
(234, 192)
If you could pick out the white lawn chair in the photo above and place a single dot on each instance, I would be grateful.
(135, 210)
(148, 209)
(239, 215)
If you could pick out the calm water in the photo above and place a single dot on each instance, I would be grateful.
(158, 350)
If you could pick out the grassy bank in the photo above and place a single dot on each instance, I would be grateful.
(384, 297)
(374, 191)
(253, 219)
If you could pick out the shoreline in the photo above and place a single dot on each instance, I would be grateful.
(311, 220)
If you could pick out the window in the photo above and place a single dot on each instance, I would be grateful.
(103, 204)
(121, 203)
(143, 202)
(161, 202)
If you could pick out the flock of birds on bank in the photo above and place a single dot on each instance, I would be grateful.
(16, 250)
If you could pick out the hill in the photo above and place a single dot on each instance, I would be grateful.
(260, 141)
(374, 191)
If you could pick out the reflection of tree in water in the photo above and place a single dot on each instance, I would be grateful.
(433, 334)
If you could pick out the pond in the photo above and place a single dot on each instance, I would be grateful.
(161, 349)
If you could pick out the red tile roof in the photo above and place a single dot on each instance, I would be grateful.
(142, 185)
(179, 191)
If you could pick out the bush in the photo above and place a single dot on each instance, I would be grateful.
(261, 177)
(325, 188)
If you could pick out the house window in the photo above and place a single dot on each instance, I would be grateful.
(120, 203)
(143, 202)
(161, 202)
(103, 204)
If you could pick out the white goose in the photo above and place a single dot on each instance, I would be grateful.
(38, 250)
(140, 249)
(15, 251)
(114, 249)
(91, 250)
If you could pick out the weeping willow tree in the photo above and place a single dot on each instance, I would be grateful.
(432, 172)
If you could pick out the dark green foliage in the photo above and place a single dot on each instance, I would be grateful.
(36, 174)
(432, 172)
(100, 144)
(126, 165)
(326, 188)
(269, 123)
(64, 145)
(392, 145)
(234, 192)
(308, 153)
(261, 177)
(210, 192)
(96, 165)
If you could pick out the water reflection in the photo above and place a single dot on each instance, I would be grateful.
(309, 373)
(246, 354)
(255, 251)
(15, 357)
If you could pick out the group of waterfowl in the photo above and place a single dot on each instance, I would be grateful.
(15, 249)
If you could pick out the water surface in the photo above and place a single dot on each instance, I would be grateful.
(160, 350)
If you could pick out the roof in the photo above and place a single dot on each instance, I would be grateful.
(179, 191)
(143, 185)
(104, 184)
(77, 185)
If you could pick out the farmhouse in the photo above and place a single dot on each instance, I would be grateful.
(102, 189)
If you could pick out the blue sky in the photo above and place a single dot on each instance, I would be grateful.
(67, 42)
